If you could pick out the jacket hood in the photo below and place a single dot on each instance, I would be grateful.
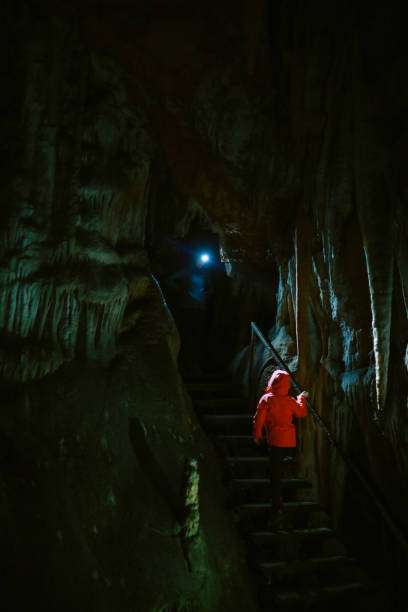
(278, 383)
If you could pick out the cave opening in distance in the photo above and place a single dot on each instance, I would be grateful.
(202, 300)
(212, 301)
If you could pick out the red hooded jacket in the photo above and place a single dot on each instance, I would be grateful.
(276, 410)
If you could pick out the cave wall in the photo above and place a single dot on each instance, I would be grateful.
(111, 496)
(282, 127)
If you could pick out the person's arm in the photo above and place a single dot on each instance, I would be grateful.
(259, 421)
(300, 409)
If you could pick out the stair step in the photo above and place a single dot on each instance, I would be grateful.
(289, 543)
(304, 533)
(251, 465)
(236, 443)
(227, 423)
(310, 564)
(307, 597)
(303, 506)
(226, 418)
(226, 404)
(212, 387)
(254, 516)
(252, 459)
(246, 489)
(233, 437)
(285, 482)
(310, 574)
(209, 378)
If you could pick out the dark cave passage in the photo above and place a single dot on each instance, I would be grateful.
(195, 285)
(212, 301)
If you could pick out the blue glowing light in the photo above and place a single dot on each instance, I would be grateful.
(204, 258)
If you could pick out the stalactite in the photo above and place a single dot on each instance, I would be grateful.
(380, 276)
(303, 274)
(402, 262)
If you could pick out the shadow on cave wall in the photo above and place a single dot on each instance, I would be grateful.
(151, 466)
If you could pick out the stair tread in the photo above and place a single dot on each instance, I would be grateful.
(286, 505)
(342, 587)
(211, 386)
(220, 401)
(305, 504)
(233, 437)
(301, 532)
(300, 482)
(311, 561)
(251, 458)
(209, 378)
(229, 417)
(324, 589)
(251, 481)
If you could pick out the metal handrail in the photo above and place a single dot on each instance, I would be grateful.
(396, 530)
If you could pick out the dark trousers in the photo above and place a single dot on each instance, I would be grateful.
(276, 455)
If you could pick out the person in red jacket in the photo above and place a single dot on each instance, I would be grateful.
(275, 413)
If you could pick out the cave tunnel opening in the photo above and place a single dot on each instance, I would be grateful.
(213, 298)
(201, 298)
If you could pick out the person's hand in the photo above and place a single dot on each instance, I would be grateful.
(305, 393)
(258, 441)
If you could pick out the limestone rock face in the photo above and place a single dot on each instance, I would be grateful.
(98, 440)
(280, 126)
